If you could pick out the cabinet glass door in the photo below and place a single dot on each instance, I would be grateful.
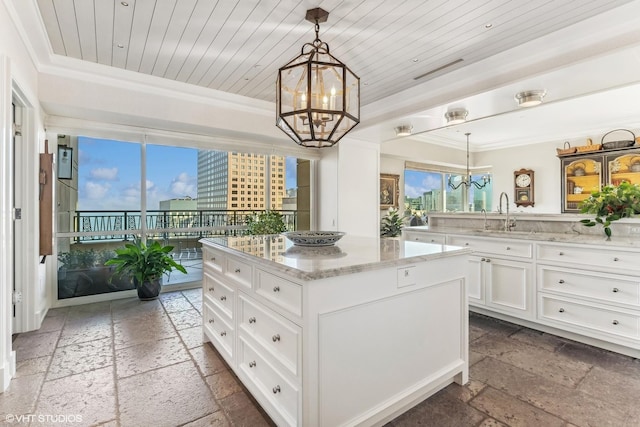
(581, 176)
(623, 168)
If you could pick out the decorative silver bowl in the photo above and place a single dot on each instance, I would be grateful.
(314, 238)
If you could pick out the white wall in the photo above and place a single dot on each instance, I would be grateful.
(358, 187)
(348, 181)
(17, 71)
(541, 158)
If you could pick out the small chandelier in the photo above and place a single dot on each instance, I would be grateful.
(318, 97)
(466, 180)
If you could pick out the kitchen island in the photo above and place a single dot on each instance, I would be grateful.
(350, 334)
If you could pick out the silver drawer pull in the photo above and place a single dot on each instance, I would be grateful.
(433, 240)
(223, 334)
(276, 289)
(466, 244)
(561, 253)
(615, 322)
(483, 259)
(237, 270)
(488, 259)
(211, 320)
(276, 337)
(616, 259)
(252, 364)
(508, 248)
(561, 310)
(211, 289)
(213, 259)
(276, 389)
(223, 298)
(615, 290)
(252, 320)
(561, 281)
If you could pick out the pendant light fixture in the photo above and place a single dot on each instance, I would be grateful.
(466, 180)
(318, 97)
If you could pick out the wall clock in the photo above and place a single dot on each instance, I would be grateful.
(523, 180)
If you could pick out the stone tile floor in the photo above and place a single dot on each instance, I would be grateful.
(131, 363)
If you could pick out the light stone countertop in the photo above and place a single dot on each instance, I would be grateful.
(351, 254)
(568, 237)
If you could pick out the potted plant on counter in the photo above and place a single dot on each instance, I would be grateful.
(610, 204)
(391, 224)
(145, 264)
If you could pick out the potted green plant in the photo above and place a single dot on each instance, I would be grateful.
(391, 224)
(145, 264)
(268, 222)
(610, 204)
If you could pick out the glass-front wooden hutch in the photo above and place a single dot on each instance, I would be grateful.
(584, 173)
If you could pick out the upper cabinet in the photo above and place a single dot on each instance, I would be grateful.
(584, 173)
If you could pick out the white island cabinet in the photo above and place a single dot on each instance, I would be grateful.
(351, 334)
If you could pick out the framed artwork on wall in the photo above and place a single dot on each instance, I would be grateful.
(389, 190)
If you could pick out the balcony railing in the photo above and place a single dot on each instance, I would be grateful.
(124, 225)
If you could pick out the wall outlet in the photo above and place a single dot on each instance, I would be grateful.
(635, 230)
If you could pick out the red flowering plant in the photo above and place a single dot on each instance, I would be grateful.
(610, 204)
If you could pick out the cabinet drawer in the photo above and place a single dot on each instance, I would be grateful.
(594, 257)
(505, 247)
(596, 318)
(281, 292)
(439, 239)
(272, 385)
(219, 294)
(219, 331)
(239, 271)
(212, 259)
(600, 286)
(276, 334)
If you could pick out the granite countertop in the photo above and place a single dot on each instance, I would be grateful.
(351, 254)
(568, 237)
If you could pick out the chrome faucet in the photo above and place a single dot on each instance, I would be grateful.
(507, 224)
(484, 211)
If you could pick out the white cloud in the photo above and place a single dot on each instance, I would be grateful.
(106, 174)
(96, 191)
(183, 185)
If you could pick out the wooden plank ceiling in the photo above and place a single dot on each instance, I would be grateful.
(238, 46)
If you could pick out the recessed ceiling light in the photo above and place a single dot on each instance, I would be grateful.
(489, 25)
(456, 116)
(403, 130)
(530, 98)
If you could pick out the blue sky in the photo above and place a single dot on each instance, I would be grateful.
(109, 174)
(416, 183)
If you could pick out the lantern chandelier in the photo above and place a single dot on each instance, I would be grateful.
(318, 97)
(466, 180)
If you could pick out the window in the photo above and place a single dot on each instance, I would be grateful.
(428, 191)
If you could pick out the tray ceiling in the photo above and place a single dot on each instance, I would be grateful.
(238, 46)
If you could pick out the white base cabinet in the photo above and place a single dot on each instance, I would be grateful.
(357, 349)
(501, 276)
(588, 293)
